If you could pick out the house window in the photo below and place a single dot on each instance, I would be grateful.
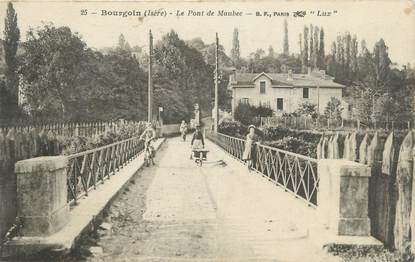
(262, 87)
(280, 104)
(306, 92)
(245, 100)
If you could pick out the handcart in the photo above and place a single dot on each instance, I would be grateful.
(200, 155)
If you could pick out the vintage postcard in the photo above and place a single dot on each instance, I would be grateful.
(207, 131)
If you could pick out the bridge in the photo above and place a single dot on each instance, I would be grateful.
(285, 210)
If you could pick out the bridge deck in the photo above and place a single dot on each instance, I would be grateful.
(177, 211)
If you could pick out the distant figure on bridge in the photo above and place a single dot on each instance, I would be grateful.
(197, 140)
(148, 136)
(249, 154)
(183, 130)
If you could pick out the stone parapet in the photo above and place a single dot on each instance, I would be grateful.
(42, 195)
(343, 197)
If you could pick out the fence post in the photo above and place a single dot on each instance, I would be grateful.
(353, 146)
(402, 230)
(363, 150)
(336, 153)
(324, 148)
(319, 147)
(413, 207)
(346, 146)
(330, 148)
(381, 189)
(7, 183)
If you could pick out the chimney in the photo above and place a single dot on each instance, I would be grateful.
(290, 75)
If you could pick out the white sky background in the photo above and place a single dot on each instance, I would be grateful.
(394, 21)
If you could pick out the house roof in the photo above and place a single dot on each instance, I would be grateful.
(281, 79)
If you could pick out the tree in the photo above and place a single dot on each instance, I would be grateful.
(10, 45)
(300, 43)
(311, 56)
(333, 109)
(51, 66)
(304, 60)
(321, 51)
(353, 53)
(235, 52)
(347, 54)
(183, 76)
(120, 88)
(307, 109)
(316, 49)
(244, 113)
(332, 65)
(363, 48)
(271, 52)
(381, 60)
(285, 45)
(64, 79)
(340, 50)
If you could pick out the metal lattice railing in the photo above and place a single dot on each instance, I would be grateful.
(295, 173)
(89, 168)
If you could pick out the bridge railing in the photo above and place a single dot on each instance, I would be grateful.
(89, 168)
(295, 173)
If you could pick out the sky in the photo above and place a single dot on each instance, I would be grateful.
(394, 21)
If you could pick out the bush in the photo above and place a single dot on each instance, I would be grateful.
(263, 111)
(367, 253)
(246, 113)
(233, 128)
(307, 109)
(300, 142)
(295, 145)
(76, 144)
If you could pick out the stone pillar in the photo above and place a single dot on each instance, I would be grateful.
(343, 197)
(42, 195)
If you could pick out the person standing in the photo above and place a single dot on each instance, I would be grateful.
(183, 130)
(249, 154)
(197, 140)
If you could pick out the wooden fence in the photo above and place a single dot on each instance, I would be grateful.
(391, 198)
(308, 123)
(67, 129)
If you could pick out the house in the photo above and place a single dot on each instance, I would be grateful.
(284, 92)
